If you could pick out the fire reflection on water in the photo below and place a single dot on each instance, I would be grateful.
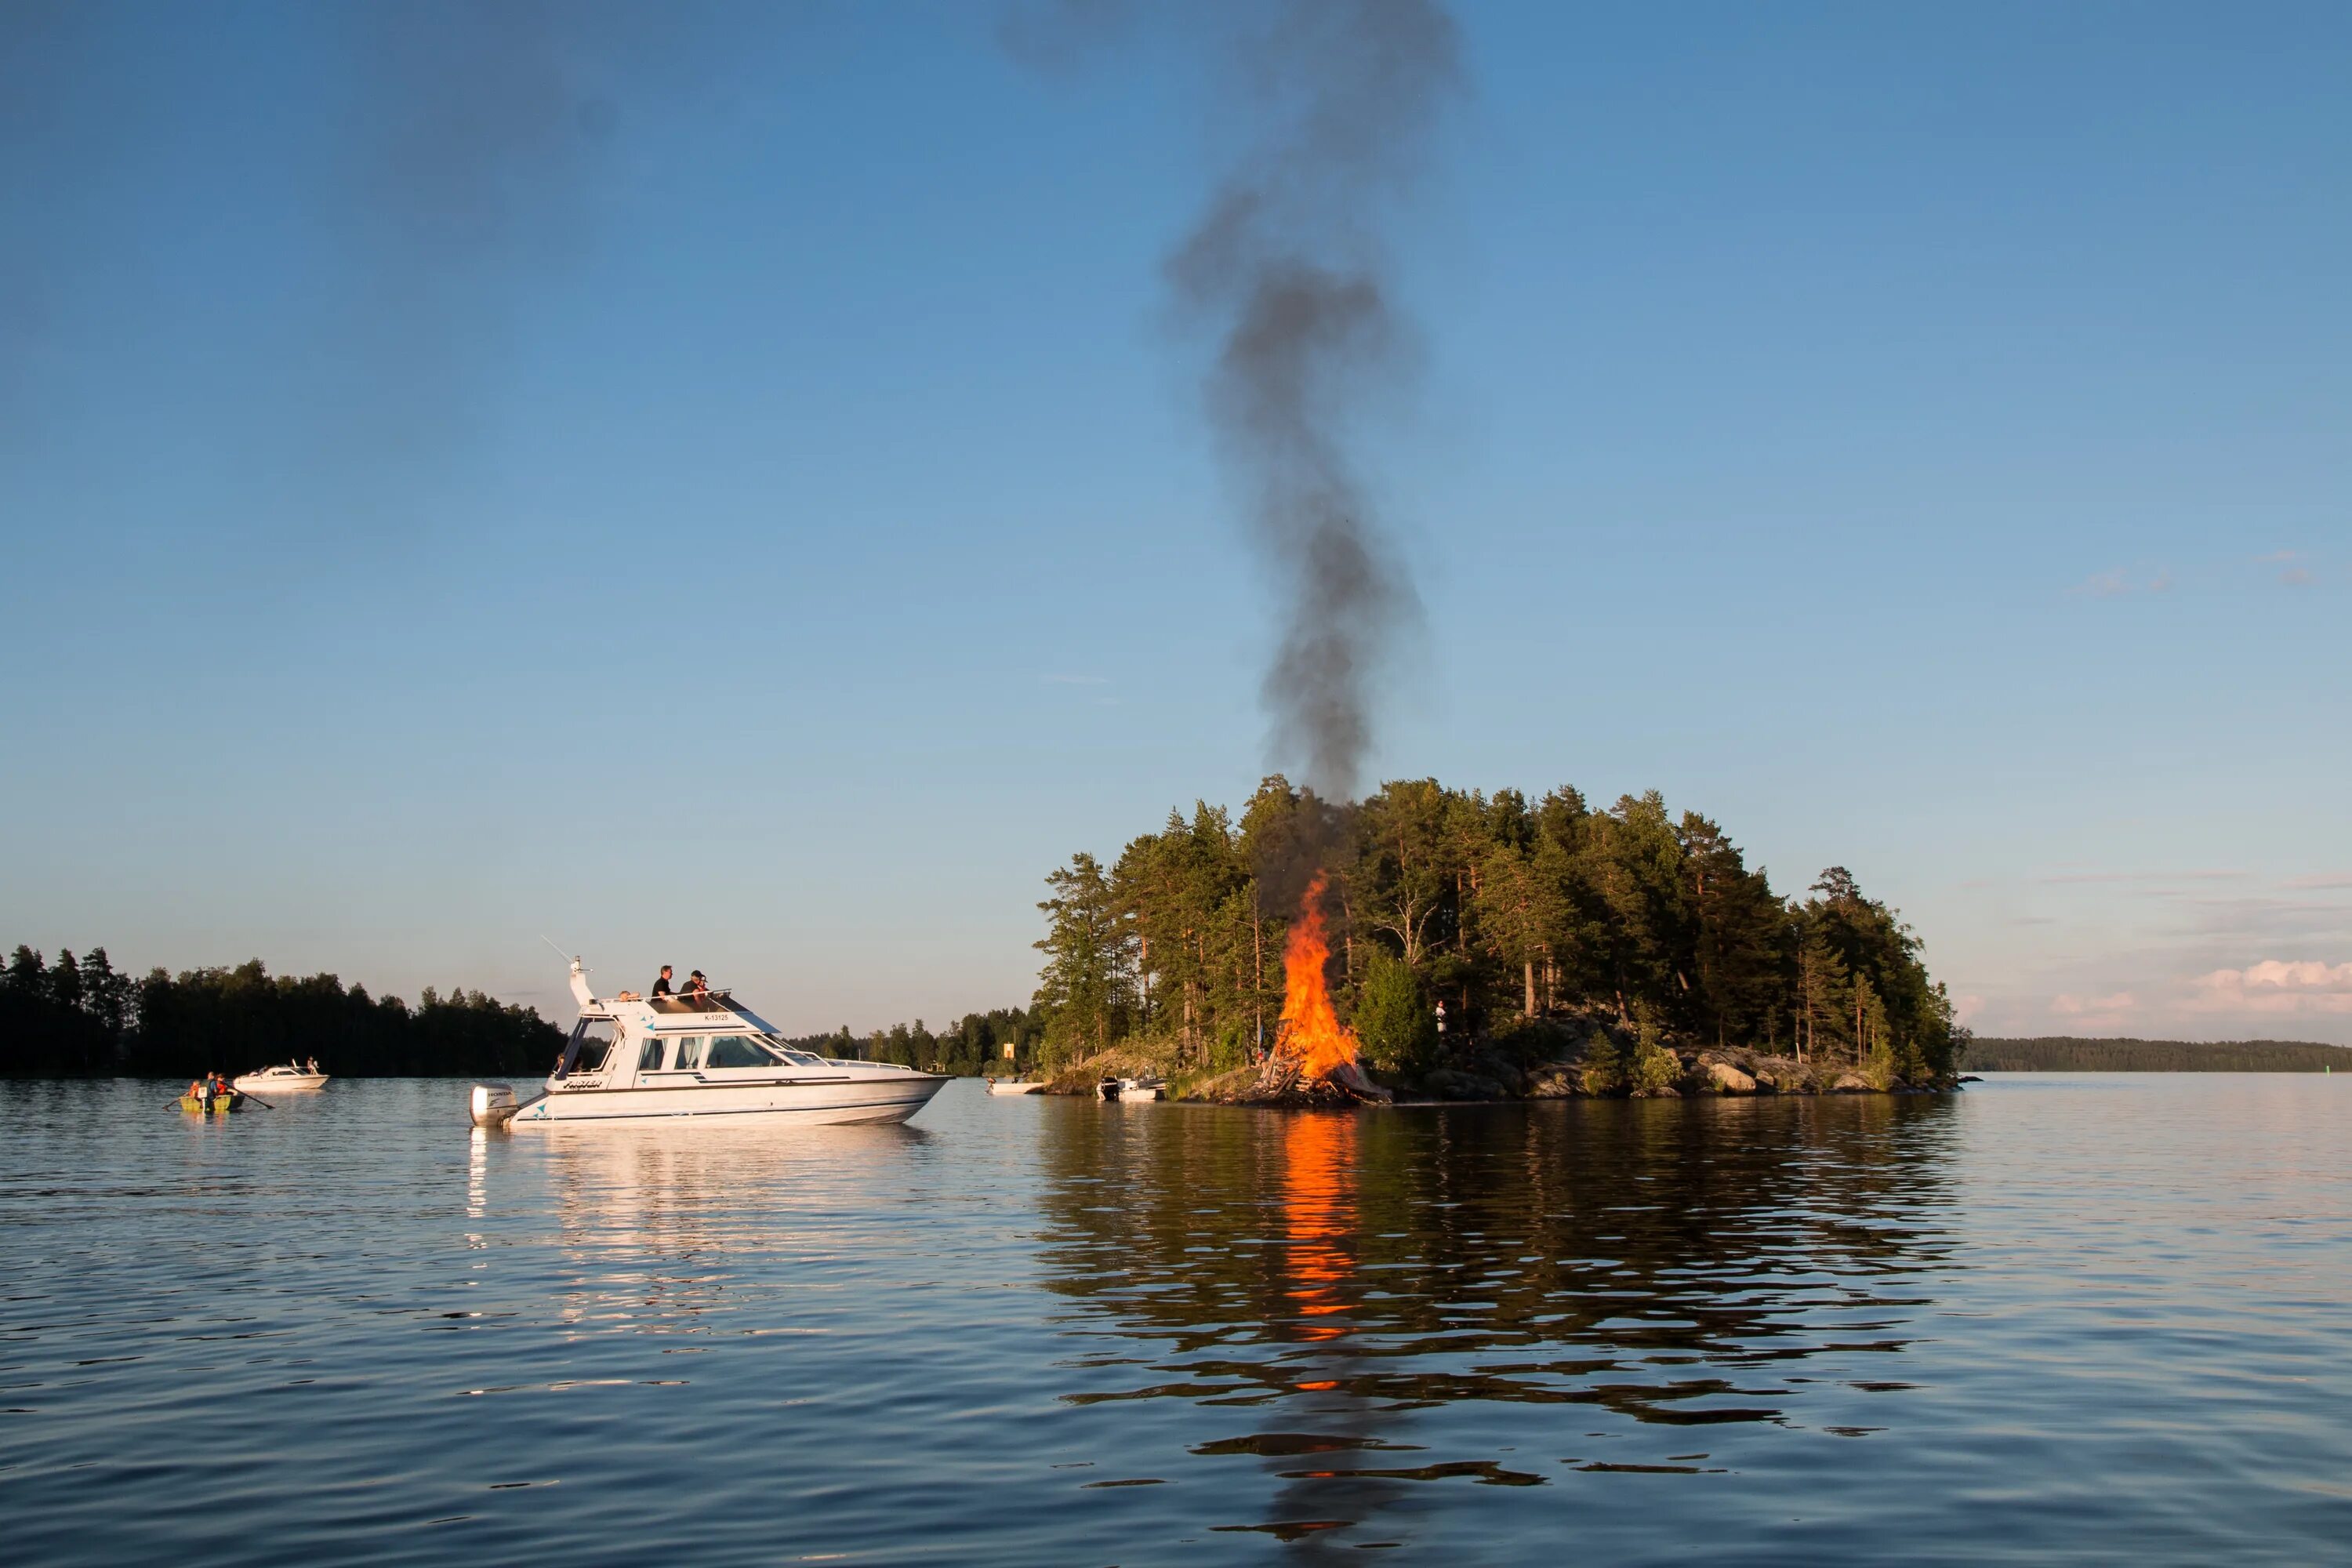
(1376, 1284)
(1318, 1171)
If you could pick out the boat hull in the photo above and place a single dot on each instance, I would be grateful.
(261, 1083)
(824, 1103)
(217, 1105)
(1007, 1085)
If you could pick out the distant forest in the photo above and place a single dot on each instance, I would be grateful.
(2062, 1053)
(1510, 912)
(83, 1018)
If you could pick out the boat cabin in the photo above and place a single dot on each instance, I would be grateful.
(661, 1042)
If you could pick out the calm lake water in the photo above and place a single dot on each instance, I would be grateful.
(2053, 1319)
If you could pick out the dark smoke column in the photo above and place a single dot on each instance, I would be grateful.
(1287, 265)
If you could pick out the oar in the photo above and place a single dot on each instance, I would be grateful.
(256, 1099)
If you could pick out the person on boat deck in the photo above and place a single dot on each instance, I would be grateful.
(697, 990)
(198, 1089)
(661, 986)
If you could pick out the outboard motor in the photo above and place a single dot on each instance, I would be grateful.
(493, 1104)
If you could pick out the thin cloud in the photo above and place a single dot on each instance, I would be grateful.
(1076, 679)
(2319, 881)
(2294, 577)
(2071, 877)
(2307, 919)
(2095, 1012)
(2118, 581)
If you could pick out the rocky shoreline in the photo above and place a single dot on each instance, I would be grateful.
(1492, 1072)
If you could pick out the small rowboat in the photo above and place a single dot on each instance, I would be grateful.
(217, 1105)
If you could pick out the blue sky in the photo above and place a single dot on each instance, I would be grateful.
(730, 491)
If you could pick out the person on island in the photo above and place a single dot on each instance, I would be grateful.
(661, 986)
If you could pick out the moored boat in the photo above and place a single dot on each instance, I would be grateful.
(281, 1078)
(1015, 1086)
(637, 1058)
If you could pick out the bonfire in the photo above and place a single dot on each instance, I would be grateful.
(1314, 1055)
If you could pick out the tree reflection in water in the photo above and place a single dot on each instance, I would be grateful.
(1366, 1280)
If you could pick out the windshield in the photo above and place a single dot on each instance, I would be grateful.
(740, 1051)
(584, 1052)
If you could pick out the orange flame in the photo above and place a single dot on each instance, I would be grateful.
(1311, 1032)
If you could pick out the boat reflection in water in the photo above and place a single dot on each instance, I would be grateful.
(1371, 1287)
(665, 1228)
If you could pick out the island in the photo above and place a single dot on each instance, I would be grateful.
(1477, 946)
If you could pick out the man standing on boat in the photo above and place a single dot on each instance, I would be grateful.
(661, 986)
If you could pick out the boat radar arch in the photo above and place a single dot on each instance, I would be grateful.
(579, 991)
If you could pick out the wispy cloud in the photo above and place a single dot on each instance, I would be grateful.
(2320, 880)
(2294, 577)
(2067, 877)
(2095, 1011)
(1076, 679)
(2119, 580)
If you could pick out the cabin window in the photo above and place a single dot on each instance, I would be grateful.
(802, 1058)
(592, 1041)
(738, 1051)
(689, 1052)
(649, 1054)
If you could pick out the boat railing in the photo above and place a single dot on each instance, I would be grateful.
(675, 1003)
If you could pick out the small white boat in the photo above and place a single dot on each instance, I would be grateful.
(278, 1080)
(637, 1058)
(1015, 1086)
(1132, 1088)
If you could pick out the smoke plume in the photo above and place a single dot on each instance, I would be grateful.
(1287, 267)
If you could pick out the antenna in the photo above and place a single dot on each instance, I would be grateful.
(558, 951)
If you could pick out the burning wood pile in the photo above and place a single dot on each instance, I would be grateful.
(1315, 1055)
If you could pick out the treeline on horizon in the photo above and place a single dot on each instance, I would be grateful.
(74, 1017)
(973, 1044)
(83, 1018)
(1510, 912)
(2067, 1053)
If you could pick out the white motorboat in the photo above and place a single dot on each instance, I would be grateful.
(635, 1058)
(1132, 1088)
(278, 1080)
(1015, 1086)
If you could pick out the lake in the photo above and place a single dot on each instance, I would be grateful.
(2053, 1319)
